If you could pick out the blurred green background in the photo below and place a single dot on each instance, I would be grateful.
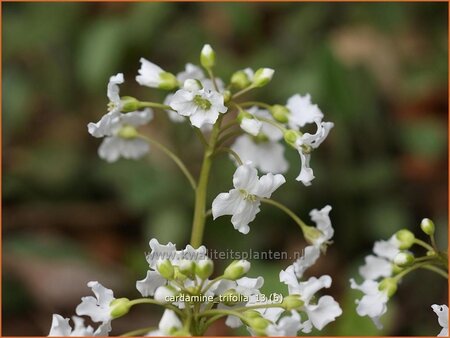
(378, 71)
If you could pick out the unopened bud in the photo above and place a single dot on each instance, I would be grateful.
(163, 294)
(128, 132)
(236, 269)
(129, 104)
(262, 77)
(168, 81)
(165, 268)
(292, 302)
(291, 136)
(280, 113)
(389, 286)
(240, 80)
(406, 239)
(404, 259)
(207, 57)
(427, 226)
(119, 307)
(204, 268)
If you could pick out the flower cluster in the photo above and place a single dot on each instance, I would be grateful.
(391, 261)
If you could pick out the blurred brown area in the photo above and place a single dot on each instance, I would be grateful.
(377, 70)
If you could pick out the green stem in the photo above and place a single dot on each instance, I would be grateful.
(226, 137)
(154, 105)
(138, 332)
(198, 223)
(231, 152)
(242, 92)
(288, 211)
(154, 302)
(436, 270)
(256, 103)
(174, 157)
(223, 312)
(201, 137)
(423, 244)
(228, 126)
(273, 123)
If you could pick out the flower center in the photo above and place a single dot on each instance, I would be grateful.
(247, 196)
(128, 132)
(204, 104)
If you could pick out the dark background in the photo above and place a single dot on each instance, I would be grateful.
(378, 71)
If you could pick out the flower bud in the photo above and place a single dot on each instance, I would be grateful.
(406, 239)
(260, 138)
(192, 85)
(165, 268)
(262, 77)
(128, 132)
(163, 294)
(187, 267)
(280, 113)
(168, 81)
(290, 136)
(207, 57)
(252, 314)
(129, 104)
(236, 269)
(404, 259)
(178, 275)
(226, 96)
(204, 268)
(243, 114)
(240, 80)
(427, 226)
(388, 285)
(119, 307)
(312, 234)
(396, 269)
(231, 297)
(258, 324)
(292, 302)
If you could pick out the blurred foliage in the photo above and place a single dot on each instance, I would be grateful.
(378, 70)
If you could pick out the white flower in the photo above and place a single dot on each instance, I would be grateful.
(168, 324)
(387, 249)
(97, 307)
(150, 283)
(302, 111)
(190, 72)
(202, 106)
(173, 115)
(323, 223)
(373, 303)
(243, 201)
(104, 126)
(153, 76)
(375, 268)
(442, 313)
(267, 156)
(61, 328)
(288, 326)
(251, 126)
(325, 310)
(310, 256)
(122, 139)
(305, 144)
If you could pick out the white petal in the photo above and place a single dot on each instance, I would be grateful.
(109, 149)
(310, 256)
(190, 72)
(246, 178)
(60, 327)
(113, 88)
(387, 249)
(204, 117)
(226, 203)
(150, 283)
(245, 213)
(173, 115)
(306, 173)
(442, 313)
(307, 289)
(302, 111)
(375, 268)
(169, 321)
(323, 223)
(267, 185)
(149, 74)
(324, 312)
(137, 118)
(251, 126)
(106, 126)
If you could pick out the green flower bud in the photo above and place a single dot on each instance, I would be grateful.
(427, 226)
(404, 259)
(290, 136)
(260, 138)
(292, 302)
(179, 332)
(226, 96)
(168, 81)
(129, 104)
(406, 239)
(165, 268)
(311, 234)
(250, 314)
(396, 269)
(388, 285)
(259, 325)
(207, 57)
(119, 307)
(178, 275)
(204, 268)
(128, 132)
(243, 114)
(231, 297)
(236, 269)
(240, 80)
(262, 77)
(187, 267)
(280, 113)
